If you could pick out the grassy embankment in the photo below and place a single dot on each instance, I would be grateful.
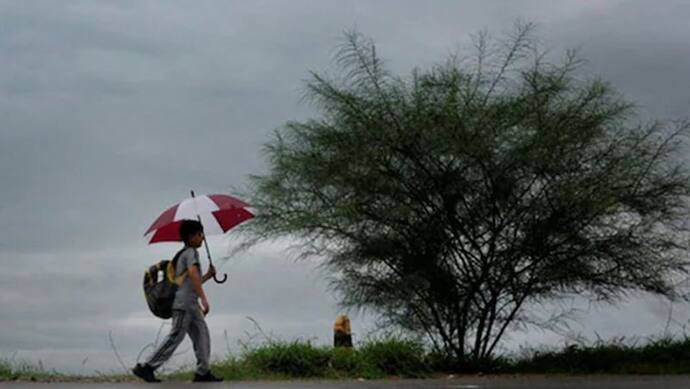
(405, 358)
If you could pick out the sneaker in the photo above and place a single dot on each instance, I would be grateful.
(145, 372)
(208, 377)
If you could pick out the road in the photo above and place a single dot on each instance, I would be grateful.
(520, 382)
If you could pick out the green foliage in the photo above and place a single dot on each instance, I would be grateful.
(661, 356)
(11, 370)
(449, 199)
(292, 359)
(375, 359)
(346, 362)
(399, 357)
(237, 368)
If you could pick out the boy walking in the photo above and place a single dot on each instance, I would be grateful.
(188, 316)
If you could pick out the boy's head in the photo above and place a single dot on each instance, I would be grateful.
(192, 233)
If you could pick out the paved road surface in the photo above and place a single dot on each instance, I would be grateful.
(524, 382)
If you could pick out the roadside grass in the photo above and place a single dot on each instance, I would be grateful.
(11, 370)
(278, 360)
(402, 357)
(662, 355)
(21, 370)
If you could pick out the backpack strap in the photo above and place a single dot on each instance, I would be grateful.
(172, 270)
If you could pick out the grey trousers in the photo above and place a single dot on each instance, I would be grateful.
(190, 321)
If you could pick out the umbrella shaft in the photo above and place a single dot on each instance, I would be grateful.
(208, 252)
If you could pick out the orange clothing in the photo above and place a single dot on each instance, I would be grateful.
(342, 324)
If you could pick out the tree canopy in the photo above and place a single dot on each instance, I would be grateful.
(449, 199)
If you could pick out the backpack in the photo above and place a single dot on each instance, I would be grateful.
(160, 285)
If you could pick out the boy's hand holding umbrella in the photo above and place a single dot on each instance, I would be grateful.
(210, 273)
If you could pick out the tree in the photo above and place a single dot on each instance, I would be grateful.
(451, 199)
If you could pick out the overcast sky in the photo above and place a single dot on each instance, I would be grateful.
(112, 111)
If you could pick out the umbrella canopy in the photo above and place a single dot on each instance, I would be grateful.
(218, 212)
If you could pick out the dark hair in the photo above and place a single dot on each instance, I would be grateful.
(189, 228)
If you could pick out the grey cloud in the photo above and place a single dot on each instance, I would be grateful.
(640, 49)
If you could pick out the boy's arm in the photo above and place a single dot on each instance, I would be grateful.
(209, 274)
(195, 279)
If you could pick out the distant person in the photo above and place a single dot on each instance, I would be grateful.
(342, 335)
(187, 316)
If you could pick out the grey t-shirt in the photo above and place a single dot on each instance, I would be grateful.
(186, 297)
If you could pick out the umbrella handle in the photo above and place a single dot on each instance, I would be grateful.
(215, 278)
(208, 253)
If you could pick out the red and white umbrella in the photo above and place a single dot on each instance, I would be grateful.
(218, 213)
